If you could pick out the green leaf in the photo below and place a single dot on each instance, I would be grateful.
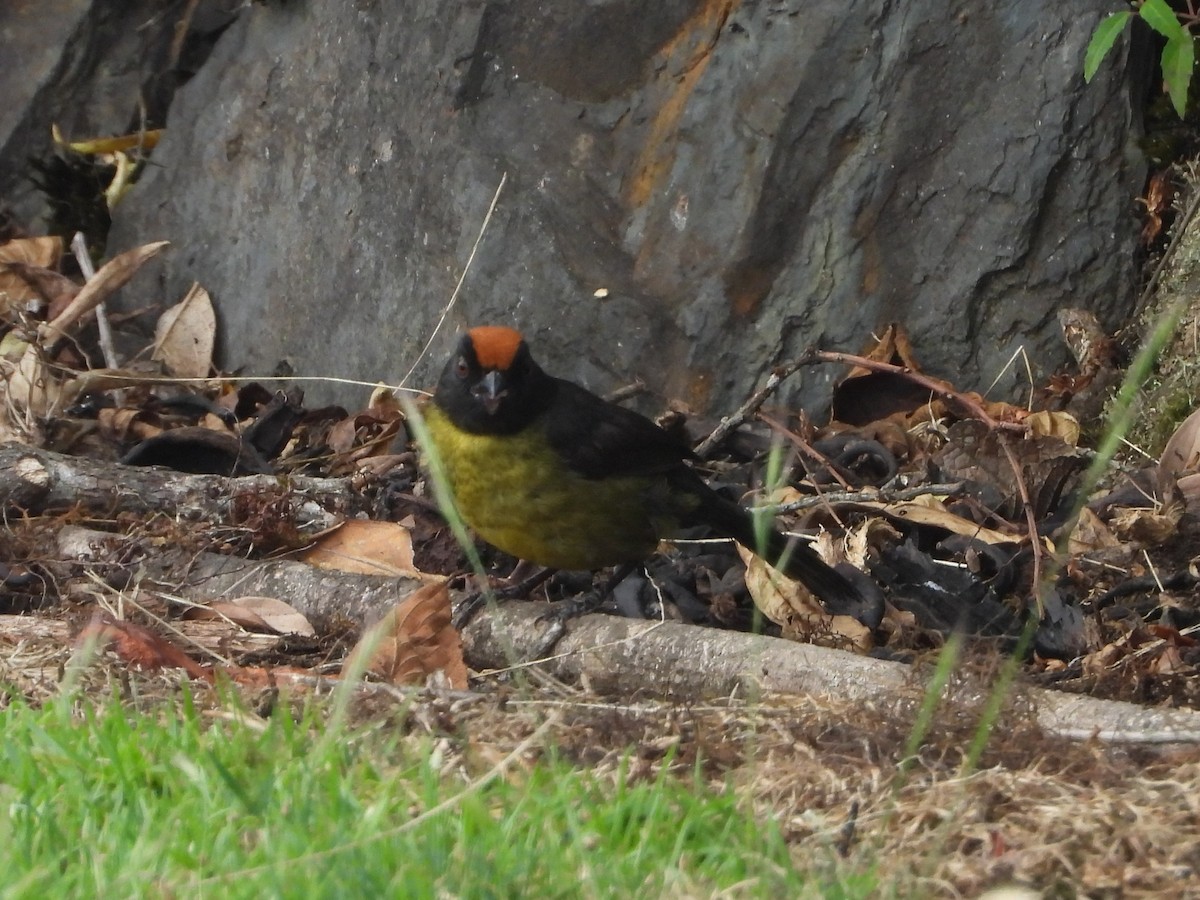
(1103, 39)
(1159, 16)
(1178, 59)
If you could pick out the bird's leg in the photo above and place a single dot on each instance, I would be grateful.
(514, 589)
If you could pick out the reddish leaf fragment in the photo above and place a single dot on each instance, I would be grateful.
(140, 647)
(265, 678)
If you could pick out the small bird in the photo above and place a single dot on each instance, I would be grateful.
(550, 473)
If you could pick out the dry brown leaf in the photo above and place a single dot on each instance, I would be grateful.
(13, 346)
(893, 346)
(1169, 661)
(1149, 527)
(267, 615)
(870, 533)
(928, 510)
(364, 547)
(1182, 452)
(126, 423)
(42, 252)
(106, 282)
(186, 334)
(1061, 425)
(790, 605)
(414, 641)
(896, 622)
(32, 388)
(359, 437)
(1090, 535)
(384, 405)
(140, 647)
(997, 409)
(51, 291)
(260, 678)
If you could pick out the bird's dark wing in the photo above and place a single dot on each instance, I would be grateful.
(599, 439)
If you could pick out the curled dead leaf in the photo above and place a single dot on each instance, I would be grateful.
(38, 252)
(869, 534)
(107, 281)
(34, 388)
(414, 641)
(186, 334)
(1149, 527)
(1182, 452)
(929, 510)
(1189, 488)
(1091, 534)
(267, 615)
(790, 605)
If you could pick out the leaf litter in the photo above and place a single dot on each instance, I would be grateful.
(952, 502)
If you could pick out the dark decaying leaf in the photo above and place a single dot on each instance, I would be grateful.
(199, 451)
(973, 453)
(272, 429)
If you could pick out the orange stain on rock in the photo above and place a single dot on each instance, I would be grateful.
(694, 42)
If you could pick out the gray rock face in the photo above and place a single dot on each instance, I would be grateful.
(80, 64)
(36, 39)
(741, 179)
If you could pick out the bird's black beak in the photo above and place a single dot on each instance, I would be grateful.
(490, 391)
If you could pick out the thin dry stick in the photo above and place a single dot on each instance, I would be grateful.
(1035, 543)
(875, 494)
(937, 387)
(79, 248)
(806, 448)
(461, 279)
(747, 409)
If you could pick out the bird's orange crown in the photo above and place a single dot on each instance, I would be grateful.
(495, 345)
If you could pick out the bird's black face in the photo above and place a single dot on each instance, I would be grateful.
(495, 399)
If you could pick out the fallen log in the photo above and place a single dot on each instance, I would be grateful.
(627, 657)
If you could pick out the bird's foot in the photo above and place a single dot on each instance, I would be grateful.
(563, 612)
(574, 607)
(466, 610)
(511, 590)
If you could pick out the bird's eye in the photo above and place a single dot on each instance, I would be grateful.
(461, 369)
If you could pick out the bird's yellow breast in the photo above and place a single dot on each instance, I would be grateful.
(520, 496)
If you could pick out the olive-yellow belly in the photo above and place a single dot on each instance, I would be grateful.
(520, 497)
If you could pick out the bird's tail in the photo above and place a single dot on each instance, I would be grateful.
(791, 556)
